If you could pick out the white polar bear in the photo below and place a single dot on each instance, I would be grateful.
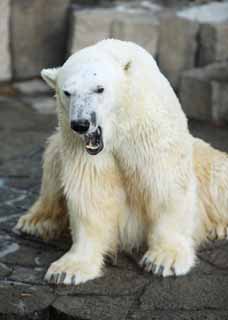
(125, 167)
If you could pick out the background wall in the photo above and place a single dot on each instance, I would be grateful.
(189, 39)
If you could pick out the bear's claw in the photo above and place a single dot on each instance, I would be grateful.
(152, 267)
(166, 264)
(62, 277)
(57, 278)
(69, 270)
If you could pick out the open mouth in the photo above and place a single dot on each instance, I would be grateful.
(94, 141)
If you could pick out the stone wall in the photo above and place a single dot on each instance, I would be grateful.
(34, 36)
(185, 39)
(5, 58)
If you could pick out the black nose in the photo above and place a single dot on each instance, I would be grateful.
(80, 126)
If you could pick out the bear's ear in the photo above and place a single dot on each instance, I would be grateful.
(127, 66)
(50, 75)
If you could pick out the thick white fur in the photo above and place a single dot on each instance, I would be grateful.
(153, 183)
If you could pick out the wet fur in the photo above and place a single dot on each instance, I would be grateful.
(158, 186)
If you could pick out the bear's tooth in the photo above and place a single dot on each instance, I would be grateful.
(91, 146)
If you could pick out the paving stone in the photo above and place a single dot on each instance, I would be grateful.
(38, 35)
(21, 128)
(27, 275)
(5, 58)
(28, 255)
(83, 307)
(7, 90)
(180, 315)
(24, 302)
(203, 93)
(117, 283)
(4, 270)
(186, 293)
(216, 257)
(9, 196)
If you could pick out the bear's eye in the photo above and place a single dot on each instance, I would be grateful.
(99, 90)
(67, 93)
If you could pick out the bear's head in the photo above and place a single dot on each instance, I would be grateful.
(89, 89)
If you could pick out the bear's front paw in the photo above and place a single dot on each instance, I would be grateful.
(43, 228)
(68, 270)
(166, 263)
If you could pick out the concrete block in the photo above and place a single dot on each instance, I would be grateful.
(204, 93)
(213, 43)
(191, 37)
(220, 101)
(122, 22)
(213, 39)
(5, 59)
(140, 28)
(89, 26)
(214, 12)
(38, 35)
(177, 46)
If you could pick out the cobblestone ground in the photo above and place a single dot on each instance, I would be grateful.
(125, 292)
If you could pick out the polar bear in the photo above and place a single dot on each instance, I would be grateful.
(125, 169)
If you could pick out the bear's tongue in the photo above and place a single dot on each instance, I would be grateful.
(94, 141)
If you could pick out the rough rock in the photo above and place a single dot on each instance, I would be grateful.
(191, 37)
(177, 46)
(213, 12)
(204, 93)
(5, 58)
(138, 24)
(38, 35)
(89, 26)
(142, 29)
(213, 44)
(107, 308)
(19, 301)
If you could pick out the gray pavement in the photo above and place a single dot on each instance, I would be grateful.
(125, 292)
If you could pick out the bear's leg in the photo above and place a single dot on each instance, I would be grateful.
(170, 239)
(94, 225)
(47, 218)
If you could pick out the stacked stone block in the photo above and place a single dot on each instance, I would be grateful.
(193, 37)
(33, 36)
(5, 59)
(204, 93)
(38, 34)
(92, 25)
